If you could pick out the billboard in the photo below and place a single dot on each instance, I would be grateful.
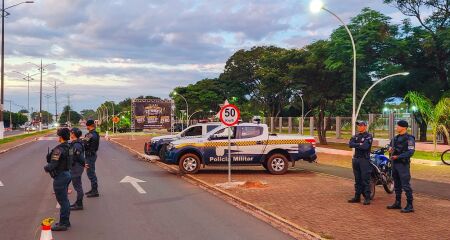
(151, 114)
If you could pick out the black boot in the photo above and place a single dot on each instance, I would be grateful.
(78, 205)
(366, 201)
(86, 193)
(60, 227)
(355, 199)
(397, 205)
(93, 193)
(409, 208)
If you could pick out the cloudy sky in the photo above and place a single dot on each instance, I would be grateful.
(113, 49)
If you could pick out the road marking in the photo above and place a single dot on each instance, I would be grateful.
(1, 184)
(134, 182)
(47, 138)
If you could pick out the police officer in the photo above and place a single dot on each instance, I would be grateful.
(58, 167)
(362, 169)
(77, 152)
(91, 143)
(402, 148)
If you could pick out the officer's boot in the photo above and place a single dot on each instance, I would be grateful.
(60, 227)
(355, 199)
(78, 205)
(89, 192)
(93, 193)
(409, 207)
(397, 204)
(366, 201)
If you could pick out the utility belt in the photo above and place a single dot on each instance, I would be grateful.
(55, 173)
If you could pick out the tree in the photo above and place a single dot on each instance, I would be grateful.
(17, 119)
(435, 116)
(69, 114)
(88, 114)
(47, 118)
(437, 26)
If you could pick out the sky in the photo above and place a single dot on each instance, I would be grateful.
(99, 50)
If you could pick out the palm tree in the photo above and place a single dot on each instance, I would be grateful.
(435, 116)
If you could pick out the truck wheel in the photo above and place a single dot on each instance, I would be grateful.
(277, 164)
(162, 153)
(189, 163)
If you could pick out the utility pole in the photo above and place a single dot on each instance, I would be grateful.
(55, 86)
(27, 77)
(41, 69)
(48, 96)
(68, 108)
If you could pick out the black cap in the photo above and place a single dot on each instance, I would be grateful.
(361, 123)
(64, 133)
(90, 122)
(76, 131)
(402, 123)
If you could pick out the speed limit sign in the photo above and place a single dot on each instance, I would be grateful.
(229, 115)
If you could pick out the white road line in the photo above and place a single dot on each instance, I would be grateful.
(1, 184)
(134, 182)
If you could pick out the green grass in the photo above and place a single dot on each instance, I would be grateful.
(22, 136)
(417, 154)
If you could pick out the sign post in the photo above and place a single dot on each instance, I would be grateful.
(229, 116)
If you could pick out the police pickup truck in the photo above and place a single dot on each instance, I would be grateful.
(251, 144)
(157, 145)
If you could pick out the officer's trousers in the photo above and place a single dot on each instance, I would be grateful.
(90, 160)
(402, 175)
(362, 169)
(60, 185)
(76, 172)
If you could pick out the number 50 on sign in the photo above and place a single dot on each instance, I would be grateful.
(230, 115)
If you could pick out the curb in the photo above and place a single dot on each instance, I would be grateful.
(17, 146)
(263, 214)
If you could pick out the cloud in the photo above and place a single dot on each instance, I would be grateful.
(128, 48)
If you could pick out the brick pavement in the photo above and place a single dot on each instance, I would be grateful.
(318, 203)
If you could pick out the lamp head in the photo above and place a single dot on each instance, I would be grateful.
(315, 6)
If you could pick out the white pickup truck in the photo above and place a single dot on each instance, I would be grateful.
(251, 144)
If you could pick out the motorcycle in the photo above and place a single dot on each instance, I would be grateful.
(382, 171)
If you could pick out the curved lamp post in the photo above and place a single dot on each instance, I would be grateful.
(187, 106)
(317, 5)
(374, 84)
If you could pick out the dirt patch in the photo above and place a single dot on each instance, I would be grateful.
(254, 184)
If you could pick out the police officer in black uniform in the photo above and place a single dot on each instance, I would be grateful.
(58, 167)
(77, 152)
(91, 143)
(362, 169)
(402, 148)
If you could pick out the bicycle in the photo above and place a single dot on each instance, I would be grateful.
(445, 157)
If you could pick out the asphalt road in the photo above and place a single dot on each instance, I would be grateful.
(435, 189)
(170, 209)
(14, 132)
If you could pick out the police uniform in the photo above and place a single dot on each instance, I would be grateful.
(403, 146)
(362, 169)
(58, 167)
(91, 143)
(77, 171)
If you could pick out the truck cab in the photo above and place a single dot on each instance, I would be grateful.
(157, 145)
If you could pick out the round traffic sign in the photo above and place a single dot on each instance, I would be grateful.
(229, 115)
(115, 119)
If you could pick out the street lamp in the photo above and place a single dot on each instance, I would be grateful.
(317, 5)
(189, 117)
(187, 106)
(112, 104)
(300, 94)
(374, 84)
(4, 14)
(41, 69)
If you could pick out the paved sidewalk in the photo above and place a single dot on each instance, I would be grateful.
(317, 202)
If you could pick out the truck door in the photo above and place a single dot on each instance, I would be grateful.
(250, 144)
(216, 148)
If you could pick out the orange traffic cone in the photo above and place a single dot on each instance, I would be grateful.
(46, 233)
